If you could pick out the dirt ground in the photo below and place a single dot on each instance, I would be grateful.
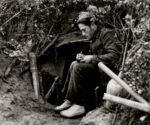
(18, 105)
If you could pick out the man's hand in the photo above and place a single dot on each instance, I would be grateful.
(87, 59)
(79, 57)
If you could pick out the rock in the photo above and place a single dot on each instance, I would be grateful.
(115, 89)
(100, 116)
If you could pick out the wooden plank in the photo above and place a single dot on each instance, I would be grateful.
(130, 103)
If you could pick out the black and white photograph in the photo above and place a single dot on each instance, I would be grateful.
(74, 62)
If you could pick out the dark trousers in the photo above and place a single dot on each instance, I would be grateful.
(80, 83)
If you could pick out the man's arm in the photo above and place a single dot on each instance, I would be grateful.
(112, 48)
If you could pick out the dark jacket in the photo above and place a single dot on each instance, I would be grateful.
(106, 47)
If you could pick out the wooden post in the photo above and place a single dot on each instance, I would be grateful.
(130, 103)
(34, 71)
(121, 82)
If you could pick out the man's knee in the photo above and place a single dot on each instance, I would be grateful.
(79, 67)
(73, 65)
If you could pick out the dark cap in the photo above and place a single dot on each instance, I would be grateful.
(84, 16)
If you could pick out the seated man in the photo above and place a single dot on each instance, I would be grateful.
(84, 74)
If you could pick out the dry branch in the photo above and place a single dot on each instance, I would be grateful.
(12, 17)
(52, 88)
(49, 45)
(9, 68)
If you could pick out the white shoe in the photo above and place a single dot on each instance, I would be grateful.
(63, 106)
(73, 111)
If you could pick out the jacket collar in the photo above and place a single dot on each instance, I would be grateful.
(97, 34)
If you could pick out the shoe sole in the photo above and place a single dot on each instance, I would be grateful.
(61, 109)
(74, 117)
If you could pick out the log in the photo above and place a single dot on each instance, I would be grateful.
(130, 103)
(34, 71)
(121, 82)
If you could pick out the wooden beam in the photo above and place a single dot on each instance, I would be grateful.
(130, 103)
(121, 82)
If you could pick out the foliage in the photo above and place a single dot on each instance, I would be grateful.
(137, 64)
(137, 70)
(18, 50)
(39, 21)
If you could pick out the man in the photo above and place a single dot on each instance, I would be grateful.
(84, 75)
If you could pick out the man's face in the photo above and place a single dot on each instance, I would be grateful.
(86, 30)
